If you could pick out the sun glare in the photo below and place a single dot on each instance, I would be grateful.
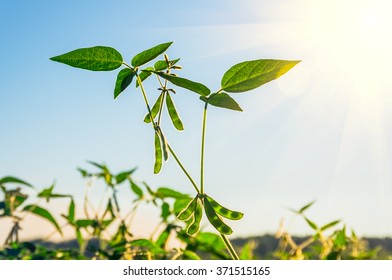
(351, 41)
(353, 30)
(348, 25)
(346, 42)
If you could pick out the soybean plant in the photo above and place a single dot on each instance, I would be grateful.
(242, 77)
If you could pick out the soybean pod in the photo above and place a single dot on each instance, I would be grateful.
(223, 211)
(193, 228)
(186, 213)
(173, 113)
(165, 147)
(154, 109)
(215, 220)
(158, 154)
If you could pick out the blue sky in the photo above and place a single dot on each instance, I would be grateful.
(318, 133)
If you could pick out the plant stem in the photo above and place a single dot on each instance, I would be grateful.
(183, 169)
(227, 242)
(161, 107)
(127, 65)
(146, 100)
(203, 134)
(163, 98)
(230, 248)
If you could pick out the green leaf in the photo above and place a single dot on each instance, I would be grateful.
(167, 192)
(185, 83)
(150, 191)
(104, 174)
(306, 207)
(154, 110)
(106, 223)
(211, 239)
(13, 199)
(158, 154)
(165, 211)
(223, 211)
(150, 54)
(85, 223)
(136, 189)
(43, 213)
(147, 244)
(162, 64)
(249, 75)
(214, 219)
(95, 58)
(193, 227)
(191, 255)
(311, 224)
(84, 173)
(124, 79)
(100, 166)
(108, 210)
(173, 113)
(122, 176)
(71, 211)
(187, 212)
(222, 100)
(353, 235)
(340, 239)
(48, 194)
(79, 237)
(19, 198)
(163, 237)
(144, 75)
(247, 250)
(329, 225)
(9, 179)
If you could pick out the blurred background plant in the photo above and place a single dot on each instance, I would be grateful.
(105, 230)
(336, 245)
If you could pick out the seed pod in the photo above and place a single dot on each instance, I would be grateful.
(158, 154)
(177, 67)
(193, 228)
(165, 147)
(154, 110)
(186, 213)
(223, 211)
(173, 113)
(215, 220)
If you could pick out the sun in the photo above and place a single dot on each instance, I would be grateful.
(353, 33)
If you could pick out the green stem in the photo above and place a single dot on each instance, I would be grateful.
(127, 65)
(164, 92)
(161, 107)
(203, 134)
(163, 87)
(230, 247)
(183, 168)
(146, 100)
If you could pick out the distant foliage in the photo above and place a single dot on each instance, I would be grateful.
(108, 226)
(106, 233)
(337, 245)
